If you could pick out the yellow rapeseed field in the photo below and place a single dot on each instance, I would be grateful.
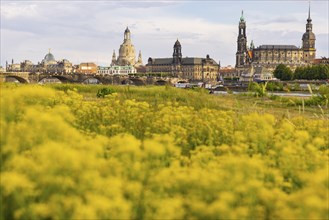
(158, 153)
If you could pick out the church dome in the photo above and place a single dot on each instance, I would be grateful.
(127, 30)
(49, 58)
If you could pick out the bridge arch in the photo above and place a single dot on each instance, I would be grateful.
(161, 82)
(15, 79)
(49, 80)
(127, 82)
(92, 80)
(62, 79)
(137, 81)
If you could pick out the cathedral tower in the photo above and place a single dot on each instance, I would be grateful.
(241, 54)
(309, 40)
(177, 55)
(177, 59)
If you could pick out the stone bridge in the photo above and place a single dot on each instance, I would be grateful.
(25, 77)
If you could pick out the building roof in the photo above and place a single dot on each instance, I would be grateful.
(227, 70)
(185, 61)
(88, 64)
(278, 47)
(322, 60)
(191, 60)
(162, 61)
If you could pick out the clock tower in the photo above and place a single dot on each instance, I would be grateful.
(309, 40)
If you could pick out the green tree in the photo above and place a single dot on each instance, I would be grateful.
(283, 72)
(320, 72)
(298, 74)
(323, 71)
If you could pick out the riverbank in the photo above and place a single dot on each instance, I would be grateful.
(285, 94)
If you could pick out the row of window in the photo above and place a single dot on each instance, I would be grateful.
(115, 71)
(269, 53)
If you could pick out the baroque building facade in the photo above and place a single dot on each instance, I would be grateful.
(269, 56)
(116, 70)
(127, 55)
(86, 68)
(47, 65)
(190, 68)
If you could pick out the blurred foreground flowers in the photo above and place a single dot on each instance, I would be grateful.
(63, 157)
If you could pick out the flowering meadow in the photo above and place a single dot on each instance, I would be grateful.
(160, 153)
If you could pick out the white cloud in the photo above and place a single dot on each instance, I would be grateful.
(89, 31)
(18, 10)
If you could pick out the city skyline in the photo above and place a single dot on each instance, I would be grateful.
(89, 31)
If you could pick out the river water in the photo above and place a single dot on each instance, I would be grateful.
(291, 94)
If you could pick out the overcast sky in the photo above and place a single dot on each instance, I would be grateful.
(89, 31)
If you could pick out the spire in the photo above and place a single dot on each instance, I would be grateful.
(177, 43)
(113, 58)
(309, 12)
(309, 20)
(242, 46)
(140, 61)
(252, 46)
(242, 18)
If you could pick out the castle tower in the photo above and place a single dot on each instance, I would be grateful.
(114, 58)
(177, 55)
(127, 54)
(309, 40)
(241, 54)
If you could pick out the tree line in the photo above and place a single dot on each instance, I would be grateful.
(316, 72)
